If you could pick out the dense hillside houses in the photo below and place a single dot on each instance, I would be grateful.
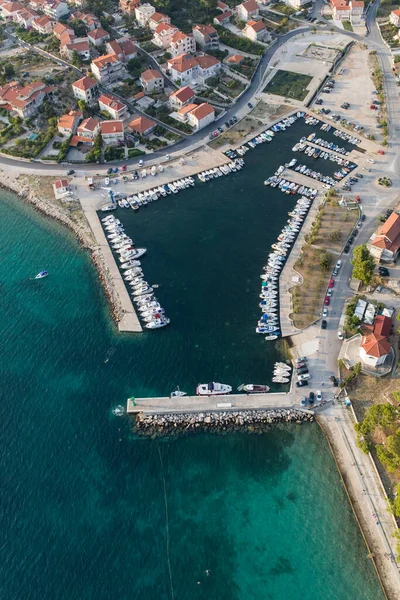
(9, 10)
(182, 43)
(123, 48)
(86, 89)
(114, 107)
(24, 100)
(163, 35)
(68, 123)
(112, 132)
(181, 97)
(88, 19)
(188, 69)
(206, 36)
(52, 8)
(248, 10)
(98, 36)
(108, 69)
(256, 31)
(158, 18)
(142, 126)
(25, 17)
(152, 81)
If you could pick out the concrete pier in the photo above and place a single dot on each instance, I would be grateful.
(129, 320)
(195, 404)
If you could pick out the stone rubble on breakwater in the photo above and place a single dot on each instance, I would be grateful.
(251, 421)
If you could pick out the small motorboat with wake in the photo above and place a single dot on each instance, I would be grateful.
(118, 411)
(213, 389)
(41, 275)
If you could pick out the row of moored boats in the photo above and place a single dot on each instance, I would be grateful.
(281, 373)
(142, 198)
(148, 307)
(232, 167)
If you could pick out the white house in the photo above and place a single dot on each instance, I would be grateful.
(181, 97)
(163, 35)
(356, 11)
(55, 9)
(201, 116)
(87, 132)
(158, 18)
(257, 32)
(116, 109)
(112, 132)
(86, 89)
(79, 45)
(26, 17)
(247, 10)
(44, 24)
(152, 81)
(395, 18)
(206, 36)
(143, 14)
(99, 36)
(24, 100)
(186, 68)
(223, 18)
(68, 123)
(108, 69)
(182, 43)
(374, 349)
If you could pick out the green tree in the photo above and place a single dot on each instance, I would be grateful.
(335, 235)
(82, 105)
(79, 27)
(9, 70)
(325, 260)
(363, 264)
(76, 59)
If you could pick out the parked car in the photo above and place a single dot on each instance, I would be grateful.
(249, 104)
(381, 152)
(325, 312)
(303, 401)
(331, 283)
(334, 380)
(327, 301)
(300, 365)
(301, 371)
(301, 383)
(383, 271)
(329, 292)
(338, 264)
(70, 172)
(335, 272)
(311, 397)
(324, 324)
(319, 395)
(363, 217)
(319, 101)
(340, 335)
(373, 107)
(303, 377)
(346, 249)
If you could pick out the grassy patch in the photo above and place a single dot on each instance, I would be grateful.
(240, 43)
(289, 84)
(347, 25)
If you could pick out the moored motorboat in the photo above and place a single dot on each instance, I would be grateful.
(252, 388)
(213, 389)
(41, 275)
(177, 393)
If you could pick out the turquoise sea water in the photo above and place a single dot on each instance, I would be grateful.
(82, 501)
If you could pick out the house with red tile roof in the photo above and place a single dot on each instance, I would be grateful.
(60, 188)
(152, 81)
(196, 115)
(256, 31)
(128, 6)
(98, 36)
(79, 45)
(158, 18)
(60, 30)
(374, 349)
(86, 132)
(186, 68)
(385, 244)
(356, 12)
(108, 69)
(206, 36)
(223, 18)
(142, 126)
(383, 325)
(86, 89)
(9, 10)
(163, 35)
(123, 48)
(182, 43)
(181, 97)
(235, 60)
(24, 100)
(114, 107)
(222, 6)
(143, 12)
(44, 24)
(112, 132)
(395, 17)
(25, 17)
(248, 10)
(68, 123)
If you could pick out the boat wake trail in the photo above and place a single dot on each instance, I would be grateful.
(166, 521)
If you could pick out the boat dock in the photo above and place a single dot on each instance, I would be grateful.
(129, 321)
(296, 177)
(197, 404)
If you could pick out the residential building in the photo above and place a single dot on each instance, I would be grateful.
(152, 81)
(158, 18)
(79, 45)
(112, 132)
(68, 124)
(185, 68)
(108, 69)
(61, 30)
(142, 126)
(86, 89)
(297, 4)
(116, 109)
(356, 11)
(123, 48)
(55, 9)
(201, 116)
(25, 17)
(206, 37)
(223, 18)
(99, 36)
(395, 18)
(385, 243)
(128, 6)
(60, 188)
(86, 132)
(383, 325)
(44, 24)
(235, 60)
(163, 35)
(182, 43)
(340, 10)
(9, 10)
(181, 97)
(222, 6)
(374, 349)
(91, 21)
(24, 100)
(143, 13)
(257, 32)
(247, 10)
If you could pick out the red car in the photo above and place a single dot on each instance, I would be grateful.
(331, 283)
(381, 152)
(373, 107)
(358, 199)
(327, 301)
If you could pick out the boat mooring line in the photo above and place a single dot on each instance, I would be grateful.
(166, 521)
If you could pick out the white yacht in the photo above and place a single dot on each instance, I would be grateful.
(213, 389)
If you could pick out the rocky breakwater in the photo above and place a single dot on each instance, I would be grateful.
(251, 421)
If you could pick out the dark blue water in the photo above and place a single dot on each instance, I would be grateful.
(82, 504)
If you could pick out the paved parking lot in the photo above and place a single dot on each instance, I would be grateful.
(355, 86)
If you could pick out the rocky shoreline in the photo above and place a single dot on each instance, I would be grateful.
(251, 421)
(81, 230)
